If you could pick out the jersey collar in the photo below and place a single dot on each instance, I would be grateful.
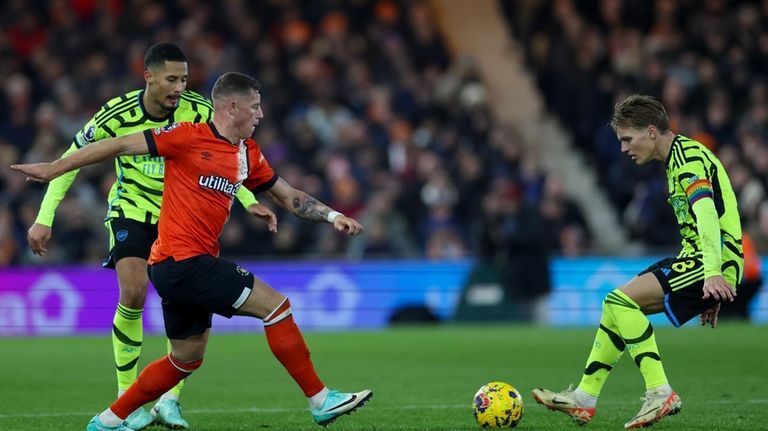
(148, 115)
(671, 148)
(216, 133)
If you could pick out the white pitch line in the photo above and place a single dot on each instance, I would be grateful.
(293, 410)
(244, 410)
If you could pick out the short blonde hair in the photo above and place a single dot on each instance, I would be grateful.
(639, 111)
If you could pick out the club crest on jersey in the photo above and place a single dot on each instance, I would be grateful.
(242, 162)
(680, 206)
(167, 128)
(243, 168)
(221, 184)
(121, 235)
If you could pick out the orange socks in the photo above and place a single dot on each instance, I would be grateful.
(288, 346)
(283, 337)
(156, 379)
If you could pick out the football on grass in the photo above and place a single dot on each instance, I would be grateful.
(498, 405)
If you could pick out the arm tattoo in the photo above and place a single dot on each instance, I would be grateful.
(310, 208)
(298, 202)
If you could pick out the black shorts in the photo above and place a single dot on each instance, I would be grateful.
(128, 238)
(683, 282)
(195, 288)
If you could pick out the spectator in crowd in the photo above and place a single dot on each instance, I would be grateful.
(512, 240)
(566, 227)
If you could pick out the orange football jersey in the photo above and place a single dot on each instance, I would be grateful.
(203, 171)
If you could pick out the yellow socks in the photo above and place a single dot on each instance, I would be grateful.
(622, 325)
(127, 336)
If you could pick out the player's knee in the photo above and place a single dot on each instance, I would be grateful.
(152, 379)
(133, 282)
(132, 299)
(133, 292)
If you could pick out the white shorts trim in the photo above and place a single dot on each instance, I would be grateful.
(243, 296)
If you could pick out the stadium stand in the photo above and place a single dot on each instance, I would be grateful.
(363, 96)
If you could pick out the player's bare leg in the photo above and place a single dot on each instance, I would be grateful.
(288, 346)
(646, 291)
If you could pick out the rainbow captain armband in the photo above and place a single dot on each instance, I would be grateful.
(698, 189)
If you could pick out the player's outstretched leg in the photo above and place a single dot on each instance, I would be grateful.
(338, 404)
(96, 425)
(566, 401)
(658, 403)
(288, 346)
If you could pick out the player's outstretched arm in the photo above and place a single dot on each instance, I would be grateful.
(39, 233)
(307, 207)
(88, 155)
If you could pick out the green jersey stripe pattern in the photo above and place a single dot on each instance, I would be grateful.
(129, 108)
(138, 191)
(195, 100)
(115, 104)
(691, 166)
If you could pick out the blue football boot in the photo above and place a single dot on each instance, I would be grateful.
(168, 414)
(96, 425)
(139, 419)
(339, 403)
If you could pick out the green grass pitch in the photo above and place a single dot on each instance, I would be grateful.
(422, 378)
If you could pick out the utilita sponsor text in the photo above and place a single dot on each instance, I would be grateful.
(218, 183)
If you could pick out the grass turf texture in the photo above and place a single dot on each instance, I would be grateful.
(422, 378)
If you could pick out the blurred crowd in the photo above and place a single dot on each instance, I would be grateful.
(364, 108)
(707, 61)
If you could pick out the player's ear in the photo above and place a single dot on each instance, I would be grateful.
(652, 131)
(148, 76)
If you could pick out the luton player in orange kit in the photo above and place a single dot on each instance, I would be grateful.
(206, 164)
